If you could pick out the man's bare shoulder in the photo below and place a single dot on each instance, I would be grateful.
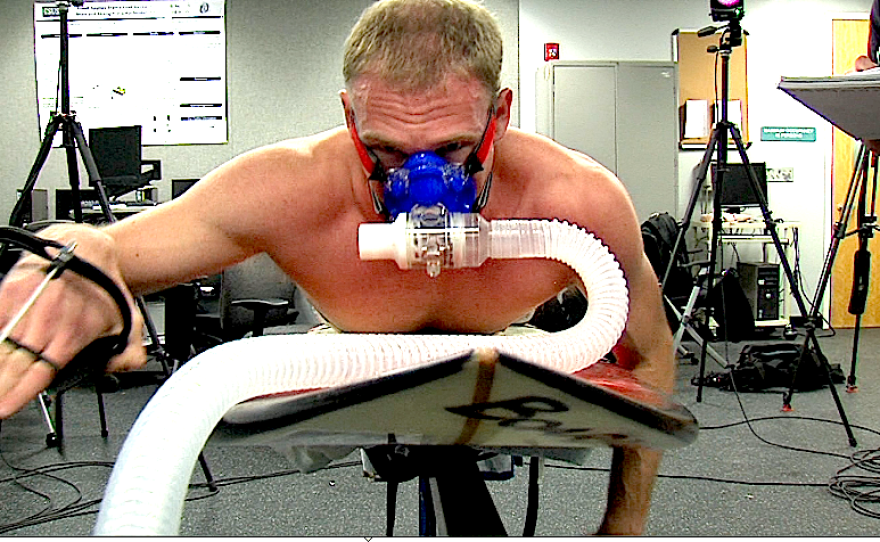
(550, 173)
(557, 182)
(315, 167)
(324, 149)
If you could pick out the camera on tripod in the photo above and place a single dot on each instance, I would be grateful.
(727, 10)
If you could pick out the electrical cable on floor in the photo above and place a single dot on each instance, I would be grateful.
(700, 478)
(859, 490)
(78, 507)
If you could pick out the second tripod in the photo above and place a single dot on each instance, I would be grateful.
(718, 145)
(856, 200)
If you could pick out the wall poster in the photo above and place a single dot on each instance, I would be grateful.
(160, 64)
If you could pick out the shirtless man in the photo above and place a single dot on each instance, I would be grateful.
(301, 201)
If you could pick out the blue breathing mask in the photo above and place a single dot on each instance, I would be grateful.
(425, 180)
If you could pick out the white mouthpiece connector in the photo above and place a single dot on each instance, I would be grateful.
(435, 242)
(384, 241)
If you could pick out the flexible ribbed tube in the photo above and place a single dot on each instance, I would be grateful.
(148, 485)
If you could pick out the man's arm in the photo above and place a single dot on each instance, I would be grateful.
(195, 235)
(647, 349)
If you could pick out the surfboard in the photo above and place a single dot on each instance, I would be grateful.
(483, 398)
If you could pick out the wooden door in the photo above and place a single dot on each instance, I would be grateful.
(849, 40)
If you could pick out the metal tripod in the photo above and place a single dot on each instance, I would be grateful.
(73, 139)
(856, 195)
(718, 144)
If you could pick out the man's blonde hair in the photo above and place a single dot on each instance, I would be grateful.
(414, 44)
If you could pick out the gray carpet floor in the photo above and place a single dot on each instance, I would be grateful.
(753, 471)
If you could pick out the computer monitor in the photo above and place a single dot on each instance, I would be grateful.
(737, 190)
(117, 153)
(179, 186)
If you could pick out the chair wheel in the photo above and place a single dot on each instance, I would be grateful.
(110, 383)
(52, 440)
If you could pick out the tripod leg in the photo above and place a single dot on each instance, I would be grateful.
(72, 166)
(95, 178)
(17, 216)
(702, 170)
(851, 386)
(719, 145)
(102, 415)
(858, 299)
(51, 436)
(861, 269)
(92, 171)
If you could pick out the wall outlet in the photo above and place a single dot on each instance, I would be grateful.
(780, 174)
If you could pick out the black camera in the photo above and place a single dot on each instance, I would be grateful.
(727, 10)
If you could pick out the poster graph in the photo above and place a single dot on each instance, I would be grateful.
(160, 64)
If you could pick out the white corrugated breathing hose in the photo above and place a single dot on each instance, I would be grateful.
(147, 488)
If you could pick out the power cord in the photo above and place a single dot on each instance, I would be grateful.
(49, 512)
(858, 490)
(79, 507)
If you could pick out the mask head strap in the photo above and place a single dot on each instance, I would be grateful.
(474, 162)
(374, 169)
(371, 164)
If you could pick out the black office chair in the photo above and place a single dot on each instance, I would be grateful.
(255, 294)
(244, 299)
(117, 154)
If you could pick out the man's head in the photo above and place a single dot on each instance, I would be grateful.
(415, 44)
(424, 76)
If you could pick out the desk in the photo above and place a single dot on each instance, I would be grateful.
(92, 213)
(735, 233)
(95, 215)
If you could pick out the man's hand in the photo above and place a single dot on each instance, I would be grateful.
(69, 314)
(863, 63)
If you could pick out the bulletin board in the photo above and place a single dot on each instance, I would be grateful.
(159, 64)
(700, 79)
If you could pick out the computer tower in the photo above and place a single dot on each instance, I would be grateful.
(36, 206)
(760, 282)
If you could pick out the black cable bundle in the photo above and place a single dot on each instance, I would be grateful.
(862, 492)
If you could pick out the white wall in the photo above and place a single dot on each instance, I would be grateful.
(785, 37)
